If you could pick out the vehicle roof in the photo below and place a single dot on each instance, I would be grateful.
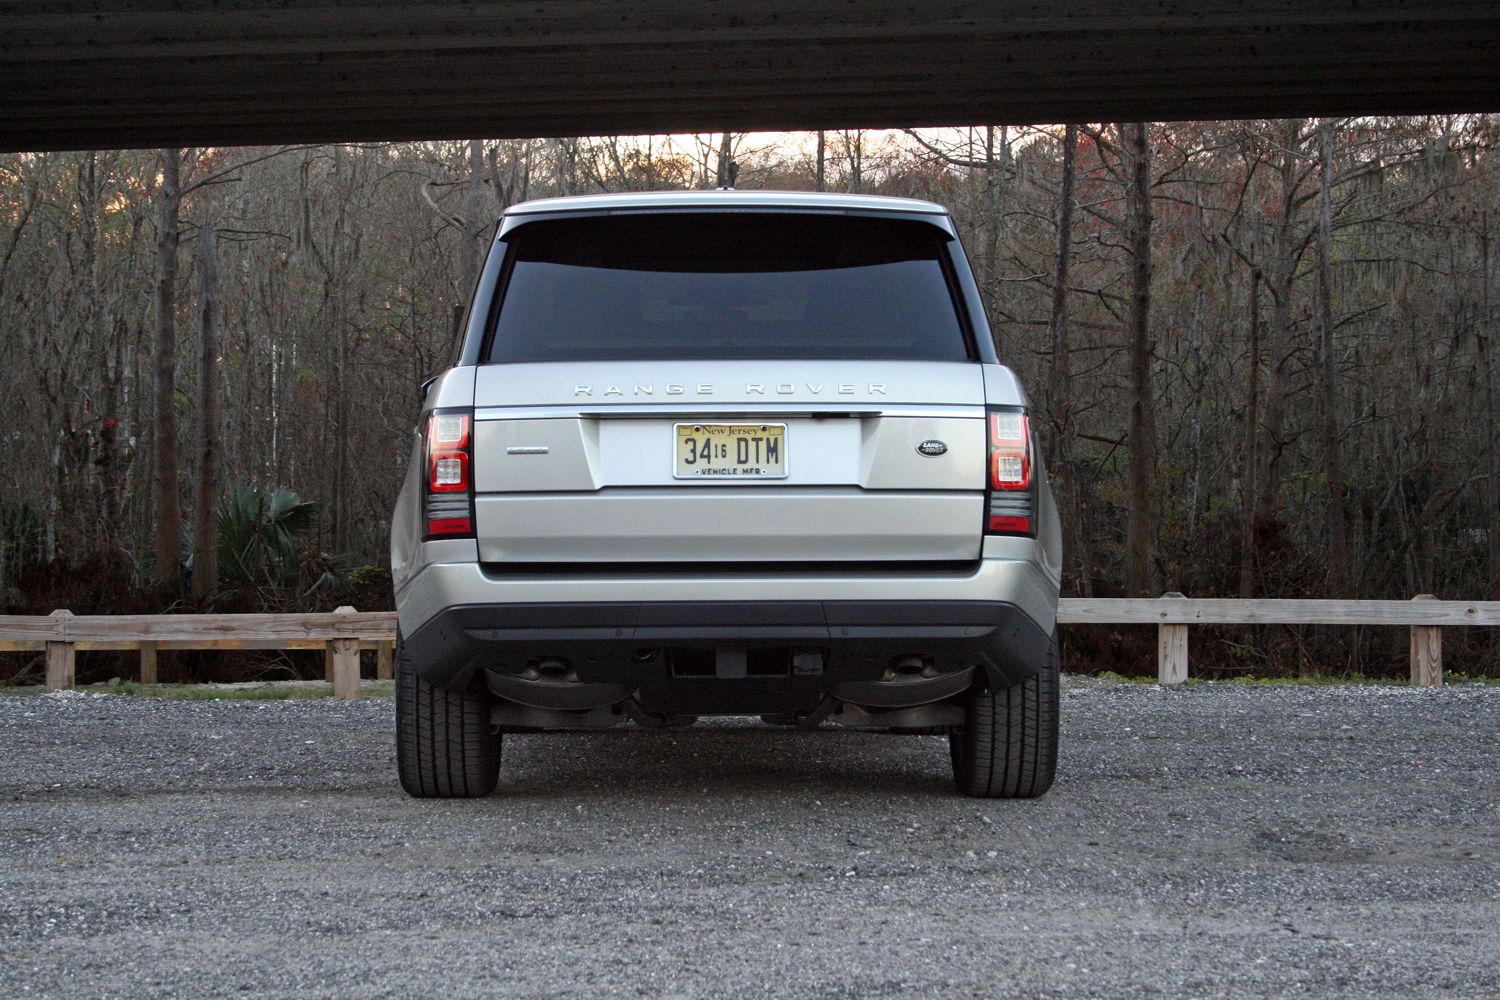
(677, 200)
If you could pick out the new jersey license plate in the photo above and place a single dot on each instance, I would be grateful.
(730, 451)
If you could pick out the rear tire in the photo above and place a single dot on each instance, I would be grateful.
(1007, 748)
(445, 745)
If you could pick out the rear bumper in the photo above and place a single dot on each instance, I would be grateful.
(809, 631)
(797, 652)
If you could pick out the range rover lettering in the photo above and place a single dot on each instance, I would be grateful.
(726, 453)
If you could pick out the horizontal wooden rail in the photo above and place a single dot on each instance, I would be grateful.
(212, 631)
(1233, 611)
(343, 633)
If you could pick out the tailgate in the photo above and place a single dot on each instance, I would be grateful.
(868, 462)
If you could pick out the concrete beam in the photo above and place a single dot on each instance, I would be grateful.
(76, 74)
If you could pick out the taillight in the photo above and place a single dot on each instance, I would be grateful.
(1011, 491)
(449, 501)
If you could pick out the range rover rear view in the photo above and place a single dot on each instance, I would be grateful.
(726, 453)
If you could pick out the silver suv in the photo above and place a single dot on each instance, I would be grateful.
(726, 453)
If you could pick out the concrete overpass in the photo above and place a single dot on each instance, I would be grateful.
(142, 73)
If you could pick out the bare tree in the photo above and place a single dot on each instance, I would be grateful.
(164, 448)
(1333, 476)
(206, 504)
(1142, 424)
(1076, 542)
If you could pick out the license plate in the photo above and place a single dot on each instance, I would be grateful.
(730, 451)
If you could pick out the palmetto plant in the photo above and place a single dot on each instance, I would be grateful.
(258, 528)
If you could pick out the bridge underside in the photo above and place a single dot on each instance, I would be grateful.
(142, 73)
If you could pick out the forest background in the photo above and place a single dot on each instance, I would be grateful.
(1261, 353)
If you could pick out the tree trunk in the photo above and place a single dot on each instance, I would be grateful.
(1278, 341)
(854, 155)
(727, 170)
(168, 503)
(1487, 381)
(1142, 430)
(475, 222)
(206, 505)
(1251, 464)
(820, 177)
(103, 340)
(994, 190)
(1333, 473)
(1069, 490)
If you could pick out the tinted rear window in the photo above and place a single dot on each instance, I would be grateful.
(702, 286)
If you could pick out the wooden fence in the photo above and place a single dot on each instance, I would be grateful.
(343, 633)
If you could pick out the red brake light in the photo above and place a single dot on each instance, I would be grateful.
(447, 455)
(1010, 487)
(449, 505)
(1010, 451)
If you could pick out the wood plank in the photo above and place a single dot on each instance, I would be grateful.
(263, 627)
(343, 661)
(61, 663)
(1234, 611)
(1172, 650)
(117, 645)
(30, 628)
(1426, 651)
(376, 630)
(385, 661)
(148, 663)
(345, 668)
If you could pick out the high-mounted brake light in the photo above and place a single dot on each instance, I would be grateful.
(1011, 492)
(449, 505)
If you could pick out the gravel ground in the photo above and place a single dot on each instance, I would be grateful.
(1215, 841)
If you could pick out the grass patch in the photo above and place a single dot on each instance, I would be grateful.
(267, 691)
(1306, 680)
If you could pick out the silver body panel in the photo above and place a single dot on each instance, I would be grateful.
(700, 201)
(857, 490)
(729, 524)
(873, 452)
(1010, 570)
(716, 384)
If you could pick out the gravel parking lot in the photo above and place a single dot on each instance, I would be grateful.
(1212, 841)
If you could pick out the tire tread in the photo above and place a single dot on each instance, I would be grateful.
(1008, 745)
(445, 746)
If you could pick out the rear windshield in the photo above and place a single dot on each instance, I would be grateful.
(701, 286)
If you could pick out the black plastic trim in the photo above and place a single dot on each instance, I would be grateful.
(916, 569)
(620, 642)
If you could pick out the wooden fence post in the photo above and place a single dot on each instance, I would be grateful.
(148, 663)
(385, 661)
(1426, 651)
(1171, 650)
(60, 661)
(345, 655)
